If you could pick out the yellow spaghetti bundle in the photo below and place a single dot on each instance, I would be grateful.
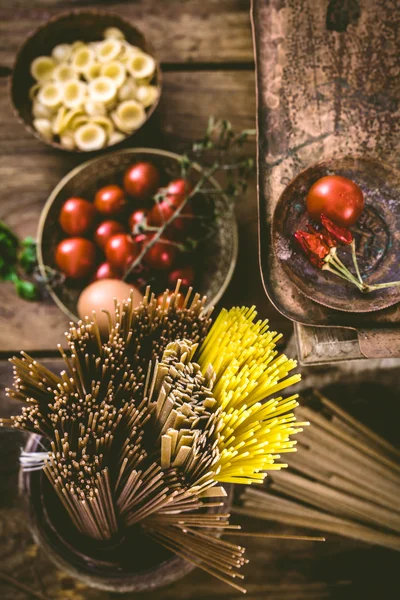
(243, 354)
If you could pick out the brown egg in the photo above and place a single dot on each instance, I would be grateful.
(100, 296)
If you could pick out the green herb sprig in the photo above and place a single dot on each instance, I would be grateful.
(216, 152)
(18, 260)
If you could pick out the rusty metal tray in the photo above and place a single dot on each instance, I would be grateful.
(327, 86)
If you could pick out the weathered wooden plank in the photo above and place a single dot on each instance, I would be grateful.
(29, 171)
(187, 100)
(181, 32)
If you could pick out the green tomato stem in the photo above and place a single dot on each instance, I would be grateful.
(355, 261)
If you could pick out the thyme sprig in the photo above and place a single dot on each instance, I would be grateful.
(216, 152)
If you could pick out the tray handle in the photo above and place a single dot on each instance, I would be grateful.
(379, 343)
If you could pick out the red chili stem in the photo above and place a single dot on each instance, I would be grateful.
(337, 267)
(355, 261)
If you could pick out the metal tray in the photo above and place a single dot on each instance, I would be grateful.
(327, 86)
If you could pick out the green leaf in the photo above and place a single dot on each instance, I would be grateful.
(27, 256)
(8, 249)
(26, 289)
(7, 234)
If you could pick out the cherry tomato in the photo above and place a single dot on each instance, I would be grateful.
(161, 255)
(177, 191)
(340, 199)
(77, 216)
(136, 218)
(178, 301)
(76, 257)
(105, 231)
(142, 180)
(121, 250)
(106, 271)
(185, 274)
(110, 200)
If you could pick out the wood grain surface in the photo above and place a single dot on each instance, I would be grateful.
(181, 31)
(206, 51)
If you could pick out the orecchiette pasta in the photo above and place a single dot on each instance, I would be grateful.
(88, 95)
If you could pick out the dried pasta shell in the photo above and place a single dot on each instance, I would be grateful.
(62, 52)
(63, 73)
(42, 68)
(105, 123)
(78, 121)
(68, 118)
(129, 115)
(33, 90)
(114, 33)
(40, 111)
(128, 90)
(76, 45)
(57, 125)
(115, 138)
(102, 89)
(115, 70)
(67, 140)
(93, 71)
(82, 58)
(43, 126)
(128, 51)
(108, 50)
(90, 137)
(75, 93)
(95, 109)
(147, 94)
(51, 94)
(141, 65)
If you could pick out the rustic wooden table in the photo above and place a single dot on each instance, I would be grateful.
(206, 53)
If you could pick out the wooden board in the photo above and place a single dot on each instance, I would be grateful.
(206, 50)
(216, 31)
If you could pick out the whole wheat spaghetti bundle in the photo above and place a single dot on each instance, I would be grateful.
(344, 479)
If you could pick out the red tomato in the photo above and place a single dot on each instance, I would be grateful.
(185, 274)
(105, 231)
(340, 199)
(178, 301)
(76, 257)
(142, 180)
(177, 191)
(137, 218)
(121, 251)
(77, 216)
(106, 271)
(110, 200)
(160, 256)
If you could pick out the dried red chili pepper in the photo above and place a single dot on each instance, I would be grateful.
(314, 247)
(323, 235)
(341, 234)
